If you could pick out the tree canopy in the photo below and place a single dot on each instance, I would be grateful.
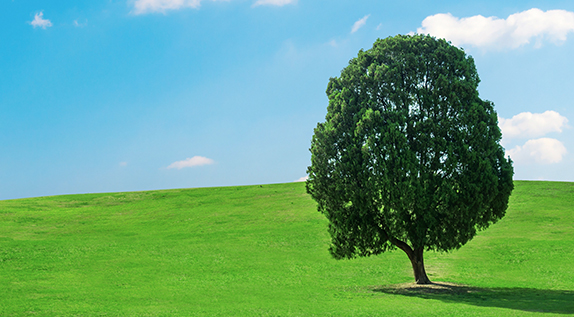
(409, 156)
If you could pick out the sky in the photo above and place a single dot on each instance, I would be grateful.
(128, 95)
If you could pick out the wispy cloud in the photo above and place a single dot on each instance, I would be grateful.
(494, 33)
(360, 23)
(162, 6)
(541, 151)
(80, 25)
(532, 125)
(278, 3)
(39, 21)
(149, 6)
(191, 162)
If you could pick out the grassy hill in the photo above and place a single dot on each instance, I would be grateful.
(262, 251)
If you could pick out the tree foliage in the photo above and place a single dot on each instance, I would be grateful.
(409, 155)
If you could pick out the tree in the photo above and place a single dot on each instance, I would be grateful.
(409, 155)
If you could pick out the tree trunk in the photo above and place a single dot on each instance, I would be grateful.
(416, 257)
(419, 267)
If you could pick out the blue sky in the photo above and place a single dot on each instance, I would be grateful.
(105, 96)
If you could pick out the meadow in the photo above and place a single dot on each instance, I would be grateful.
(263, 251)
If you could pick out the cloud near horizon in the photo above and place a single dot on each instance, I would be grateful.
(39, 21)
(191, 162)
(302, 179)
(495, 33)
(534, 125)
(359, 23)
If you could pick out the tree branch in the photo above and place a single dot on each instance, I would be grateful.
(403, 246)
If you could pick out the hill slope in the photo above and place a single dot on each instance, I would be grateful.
(262, 251)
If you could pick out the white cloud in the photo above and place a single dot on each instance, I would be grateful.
(492, 32)
(302, 179)
(40, 22)
(191, 162)
(531, 125)
(541, 151)
(279, 3)
(123, 163)
(360, 23)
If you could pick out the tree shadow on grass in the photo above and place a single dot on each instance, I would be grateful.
(526, 299)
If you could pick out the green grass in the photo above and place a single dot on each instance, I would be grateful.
(262, 251)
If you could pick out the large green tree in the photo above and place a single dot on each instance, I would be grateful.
(409, 155)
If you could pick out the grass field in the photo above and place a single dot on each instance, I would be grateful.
(262, 251)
